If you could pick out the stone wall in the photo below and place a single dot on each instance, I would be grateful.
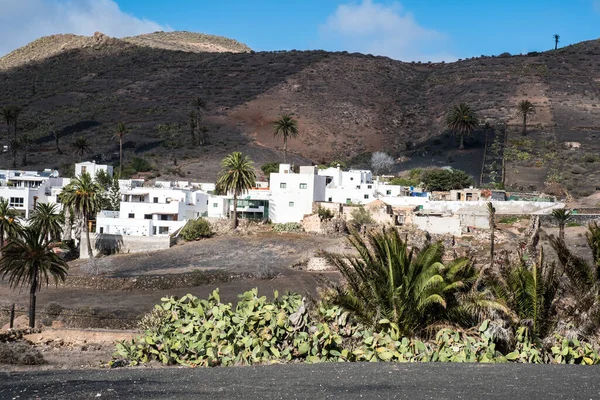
(111, 244)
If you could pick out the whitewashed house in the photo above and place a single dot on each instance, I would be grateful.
(356, 187)
(293, 194)
(24, 189)
(92, 168)
(149, 211)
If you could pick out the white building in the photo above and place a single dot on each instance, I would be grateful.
(24, 189)
(356, 187)
(293, 194)
(148, 211)
(92, 168)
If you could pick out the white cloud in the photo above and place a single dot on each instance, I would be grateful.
(22, 21)
(373, 28)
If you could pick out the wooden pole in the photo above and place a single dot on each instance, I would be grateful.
(12, 316)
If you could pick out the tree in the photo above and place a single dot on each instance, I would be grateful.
(269, 168)
(446, 179)
(6, 113)
(193, 125)
(14, 146)
(200, 106)
(81, 197)
(530, 293)
(25, 143)
(237, 175)
(110, 197)
(409, 287)
(9, 224)
(15, 113)
(56, 134)
(286, 126)
(120, 133)
(492, 222)
(562, 216)
(525, 109)
(593, 240)
(462, 121)
(28, 260)
(556, 37)
(81, 146)
(48, 220)
(381, 162)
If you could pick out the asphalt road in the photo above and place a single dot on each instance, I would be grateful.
(321, 381)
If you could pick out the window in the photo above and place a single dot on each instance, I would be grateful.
(164, 217)
(215, 205)
(348, 201)
(101, 229)
(330, 199)
(388, 192)
(83, 169)
(163, 230)
(147, 216)
(303, 186)
(154, 230)
(366, 196)
(16, 202)
(131, 216)
(358, 186)
(369, 186)
(155, 200)
(291, 204)
(282, 185)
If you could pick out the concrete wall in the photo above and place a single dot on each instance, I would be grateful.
(111, 244)
(439, 225)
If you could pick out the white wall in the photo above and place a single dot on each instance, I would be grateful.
(438, 225)
(292, 195)
(92, 168)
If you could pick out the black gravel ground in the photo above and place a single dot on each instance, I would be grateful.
(322, 381)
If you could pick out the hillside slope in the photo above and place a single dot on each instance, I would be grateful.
(346, 104)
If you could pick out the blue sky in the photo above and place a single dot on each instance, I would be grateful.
(407, 29)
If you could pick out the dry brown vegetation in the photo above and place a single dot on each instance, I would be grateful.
(346, 104)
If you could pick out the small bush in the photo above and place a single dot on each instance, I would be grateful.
(509, 220)
(196, 229)
(140, 164)
(288, 227)
(20, 353)
(325, 214)
(361, 216)
(53, 309)
(264, 271)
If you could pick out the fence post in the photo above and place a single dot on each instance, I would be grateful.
(12, 316)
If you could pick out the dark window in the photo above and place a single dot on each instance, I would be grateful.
(164, 217)
(131, 216)
(282, 185)
(366, 196)
(303, 186)
(163, 230)
(147, 216)
(369, 186)
(155, 199)
(388, 192)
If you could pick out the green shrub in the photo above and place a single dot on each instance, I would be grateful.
(509, 220)
(196, 229)
(140, 164)
(288, 227)
(446, 179)
(325, 214)
(360, 216)
(269, 168)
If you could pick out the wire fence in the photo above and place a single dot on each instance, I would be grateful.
(70, 317)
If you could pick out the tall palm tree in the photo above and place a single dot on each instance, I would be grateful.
(525, 109)
(238, 176)
(193, 125)
(16, 112)
(562, 216)
(48, 219)
(200, 106)
(593, 239)
(556, 37)
(9, 224)
(120, 133)
(407, 286)
(81, 146)
(56, 134)
(25, 143)
(81, 197)
(492, 222)
(28, 260)
(462, 121)
(287, 127)
(6, 113)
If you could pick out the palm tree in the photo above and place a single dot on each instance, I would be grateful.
(556, 37)
(492, 222)
(56, 134)
(237, 176)
(200, 106)
(9, 224)
(48, 219)
(409, 287)
(593, 239)
(14, 146)
(287, 127)
(120, 133)
(562, 216)
(529, 292)
(28, 260)
(81, 146)
(525, 109)
(25, 143)
(6, 113)
(81, 196)
(193, 125)
(462, 121)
